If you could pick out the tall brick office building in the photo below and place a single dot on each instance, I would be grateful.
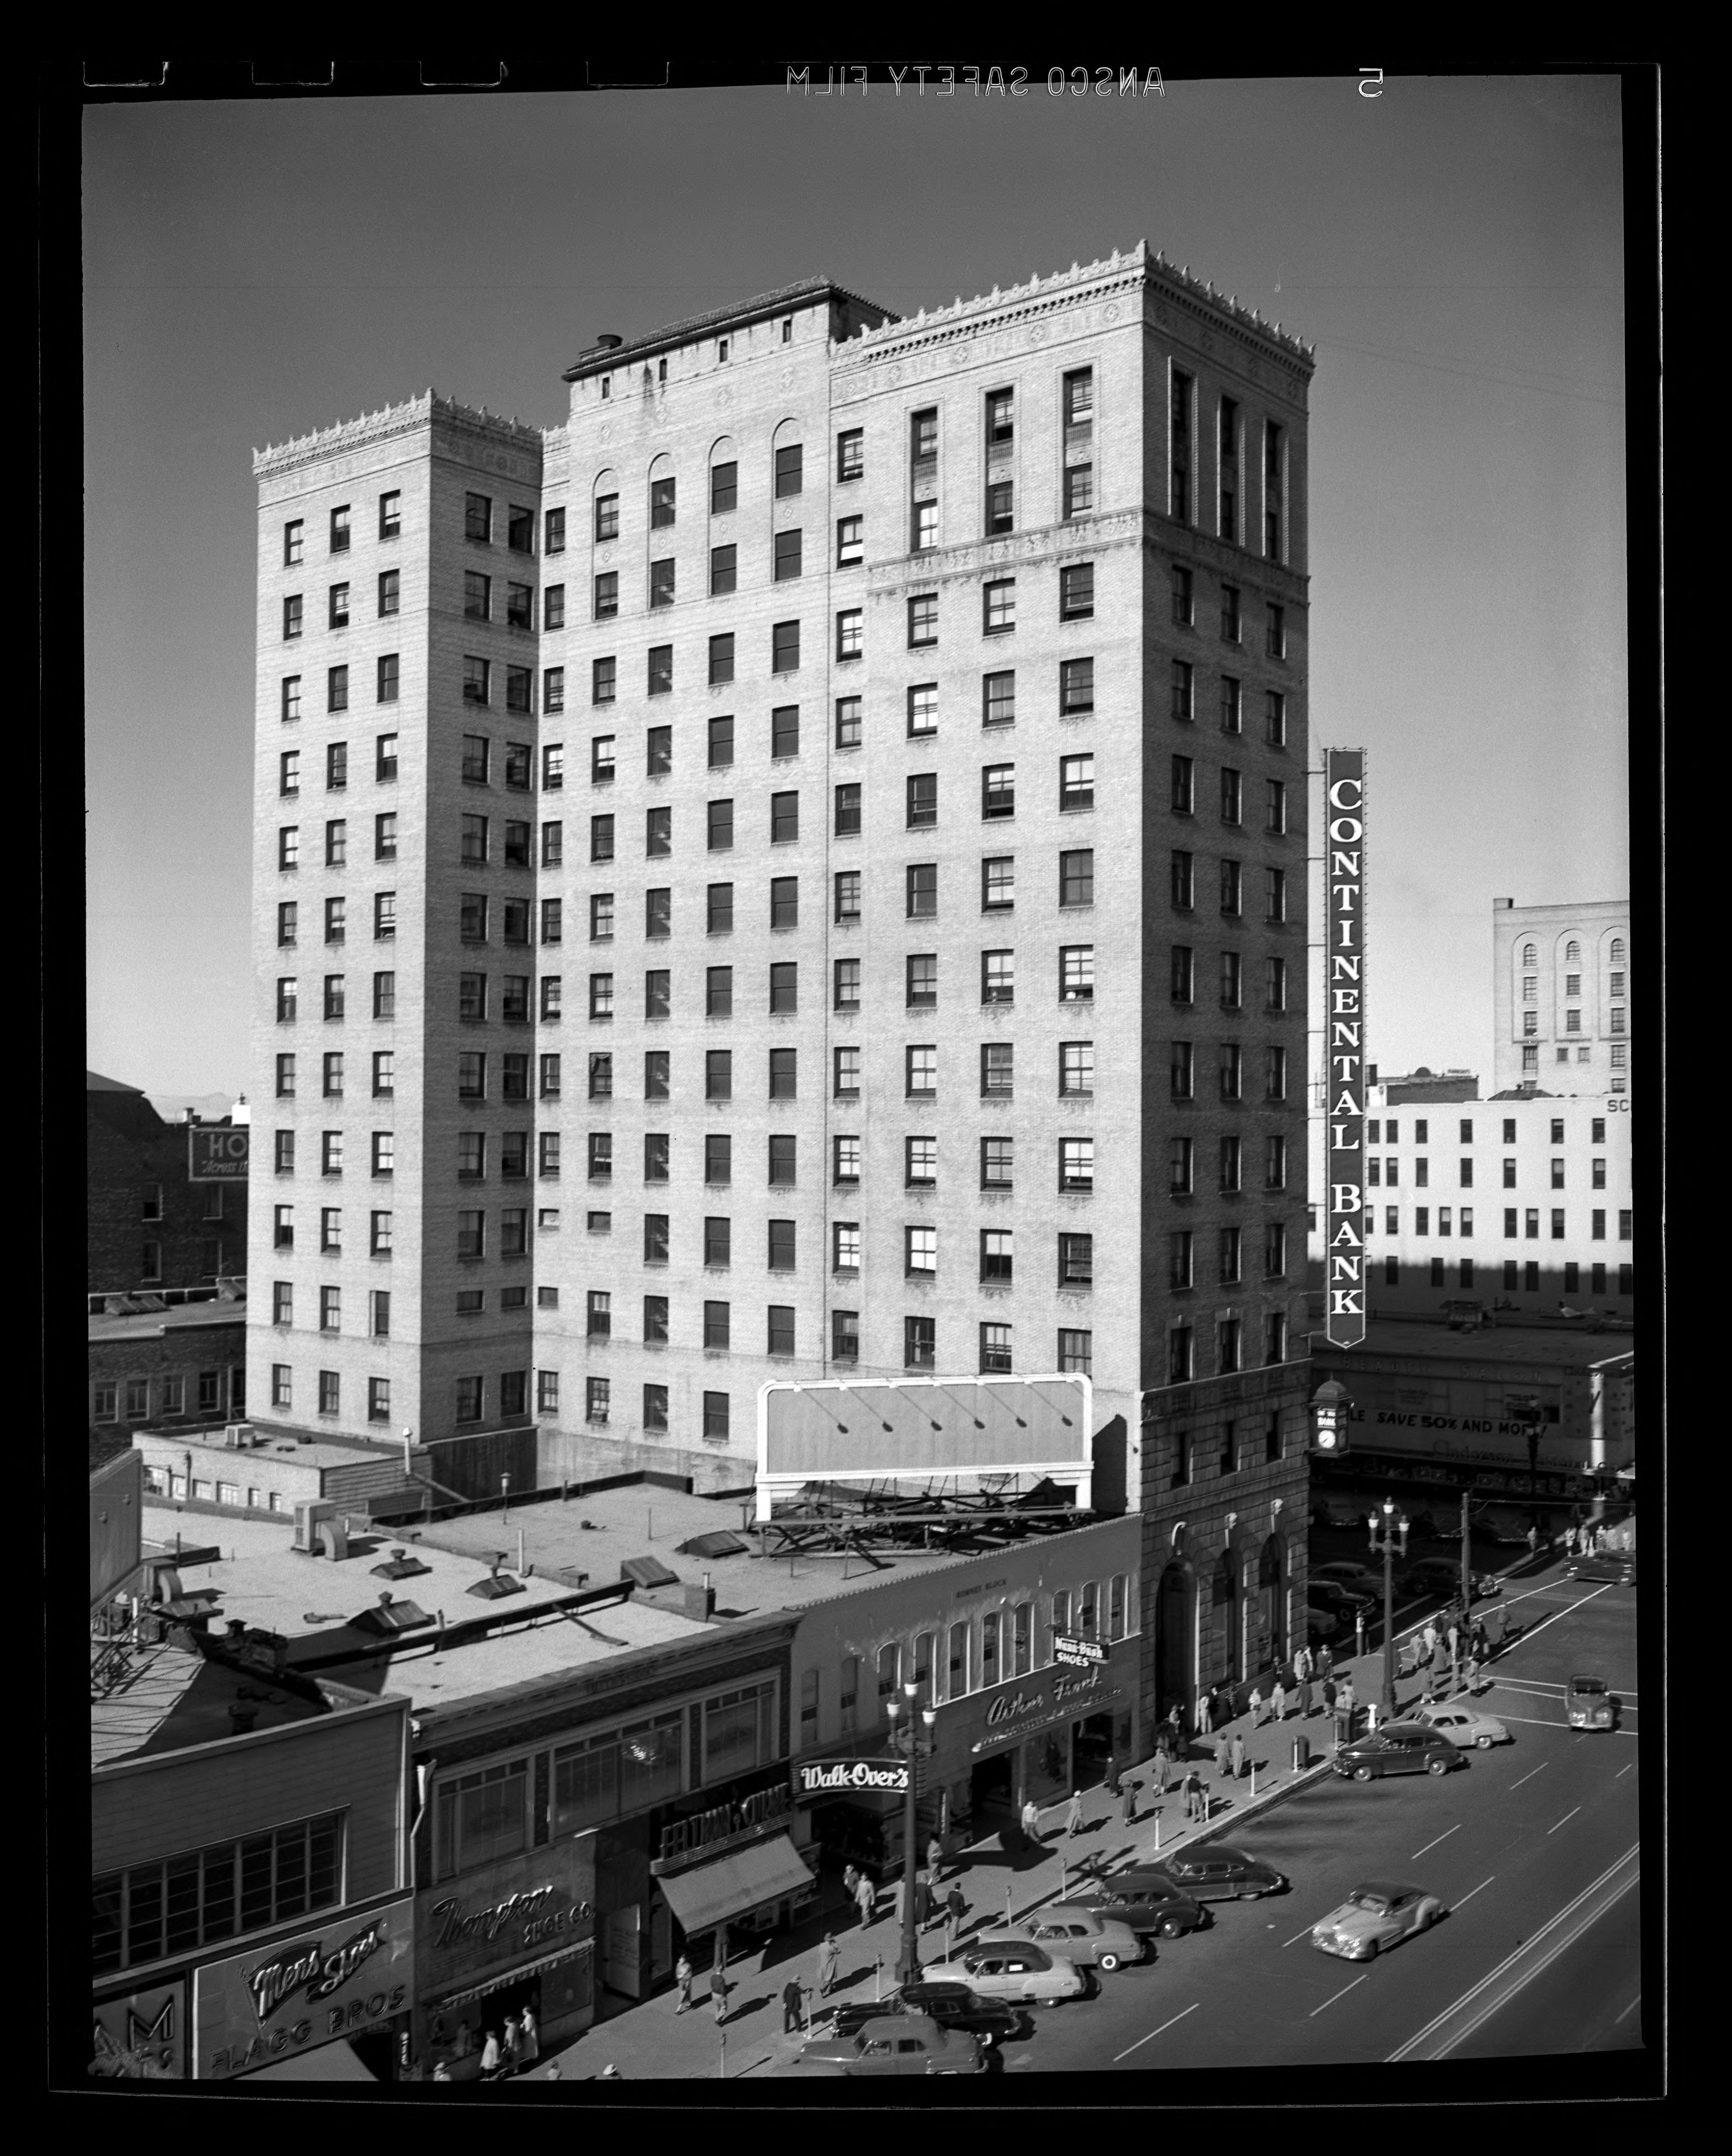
(801, 870)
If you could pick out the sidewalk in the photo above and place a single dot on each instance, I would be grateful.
(651, 2041)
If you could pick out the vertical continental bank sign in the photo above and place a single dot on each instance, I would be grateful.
(1344, 1068)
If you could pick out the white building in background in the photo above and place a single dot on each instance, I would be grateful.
(1561, 975)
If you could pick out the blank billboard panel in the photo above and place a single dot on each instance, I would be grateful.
(921, 1430)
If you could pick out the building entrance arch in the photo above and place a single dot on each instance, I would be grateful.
(1228, 1597)
(1272, 1591)
(1176, 1639)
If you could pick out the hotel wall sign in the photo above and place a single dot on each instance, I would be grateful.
(1343, 1066)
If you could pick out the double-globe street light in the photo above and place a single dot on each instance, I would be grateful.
(1386, 1540)
(912, 1742)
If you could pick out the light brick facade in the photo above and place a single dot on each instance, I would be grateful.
(1154, 809)
(1561, 984)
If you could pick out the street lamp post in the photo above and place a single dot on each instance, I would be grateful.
(1386, 1541)
(912, 1743)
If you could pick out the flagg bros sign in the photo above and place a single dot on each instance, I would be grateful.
(1344, 1063)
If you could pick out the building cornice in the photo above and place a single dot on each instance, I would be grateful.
(1023, 310)
(1081, 538)
(390, 424)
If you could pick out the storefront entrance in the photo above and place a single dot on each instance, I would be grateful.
(991, 1792)
(1091, 1752)
(1176, 1641)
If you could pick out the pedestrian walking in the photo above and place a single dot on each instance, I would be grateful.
(611, 2073)
(1073, 1816)
(866, 1901)
(1325, 1662)
(935, 1857)
(793, 2006)
(508, 2046)
(1328, 1689)
(1223, 1755)
(1278, 1701)
(684, 1976)
(1031, 1819)
(529, 2041)
(850, 1881)
(1304, 1697)
(1176, 1722)
(553, 2073)
(490, 2058)
(1569, 1540)
(1303, 1665)
(1127, 1803)
(1193, 1795)
(829, 1960)
(1239, 1755)
(719, 1989)
(1533, 1540)
(1254, 1708)
(955, 1907)
(441, 2071)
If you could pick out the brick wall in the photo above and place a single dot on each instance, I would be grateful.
(125, 1168)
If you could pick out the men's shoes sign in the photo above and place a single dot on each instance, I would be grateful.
(1078, 1653)
(888, 1776)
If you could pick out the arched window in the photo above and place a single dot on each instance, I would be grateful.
(1617, 949)
(1529, 955)
(1572, 954)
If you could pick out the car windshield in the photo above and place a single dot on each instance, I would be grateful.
(1587, 1684)
(1363, 1897)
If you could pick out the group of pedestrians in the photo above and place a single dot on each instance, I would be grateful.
(512, 2047)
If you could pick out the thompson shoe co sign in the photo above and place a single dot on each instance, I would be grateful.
(837, 1777)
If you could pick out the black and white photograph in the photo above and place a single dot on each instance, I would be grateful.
(863, 854)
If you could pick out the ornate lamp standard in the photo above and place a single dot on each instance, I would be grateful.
(1392, 1528)
(912, 1744)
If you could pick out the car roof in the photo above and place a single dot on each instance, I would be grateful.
(1387, 1888)
(900, 2025)
(1587, 1684)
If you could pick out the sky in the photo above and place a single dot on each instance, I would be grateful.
(1453, 247)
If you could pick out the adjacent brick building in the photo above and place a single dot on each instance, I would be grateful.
(149, 1226)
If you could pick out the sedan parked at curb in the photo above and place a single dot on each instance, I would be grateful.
(1146, 1900)
(951, 2006)
(1011, 1969)
(1398, 1748)
(1616, 1567)
(1373, 1918)
(1354, 1578)
(1339, 1601)
(898, 2044)
(1213, 1872)
(1588, 1705)
(1081, 1935)
(1464, 1725)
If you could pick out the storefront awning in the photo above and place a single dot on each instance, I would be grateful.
(514, 1974)
(325, 2062)
(712, 1894)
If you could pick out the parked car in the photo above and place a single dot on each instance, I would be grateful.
(1618, 1567)
(1339, 1601)
(1011, 1969)
(1080, 1934)
(1146, 1900)
(898, 2044)
(1212, 1872)
(1463, 1726)
(1398, 1748)
(806, 2070)
(951, 2006)
(1372, 1918)
(1356, 1579)
(1432, 1575)
(1588, 1705)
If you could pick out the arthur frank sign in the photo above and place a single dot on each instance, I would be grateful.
(1343, 1066)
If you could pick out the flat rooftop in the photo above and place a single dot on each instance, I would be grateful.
(178, 1317)
(1567, 1348)
(170, 1697)
(313, 1452)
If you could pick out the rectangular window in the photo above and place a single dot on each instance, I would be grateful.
(661, 669)
(920, 1071)
(785, 647)
(716, 1328)
(656, 993)
(1076, 879)
(719, 1073)
(1076, 1068)
(999, 609)
(784, 818)
(783, 1074)
(1076, 1163)
(850, 454)
(787, 557)
(339, 606)
(661, 583)
(1076, 687)
(1076, 973)
(788, 464)
(923, 621)
(1184, 791)
(846, 1074)
(921, 890)
(850, 633)
(1276, 641)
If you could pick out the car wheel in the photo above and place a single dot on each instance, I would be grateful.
(1436, 1766)
(1108, 1961)
(1361, 1774)
(1171, 1929)
(1483, 1743)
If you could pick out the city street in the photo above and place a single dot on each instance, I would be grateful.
(1510, 1843)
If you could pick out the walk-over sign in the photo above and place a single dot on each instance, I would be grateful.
(825, 1777)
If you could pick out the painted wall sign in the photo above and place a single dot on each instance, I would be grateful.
(217, 1152)
(343, 1980)
(885, 1776)
(1343, 1066)
(141, 2037)
(514, 1910)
